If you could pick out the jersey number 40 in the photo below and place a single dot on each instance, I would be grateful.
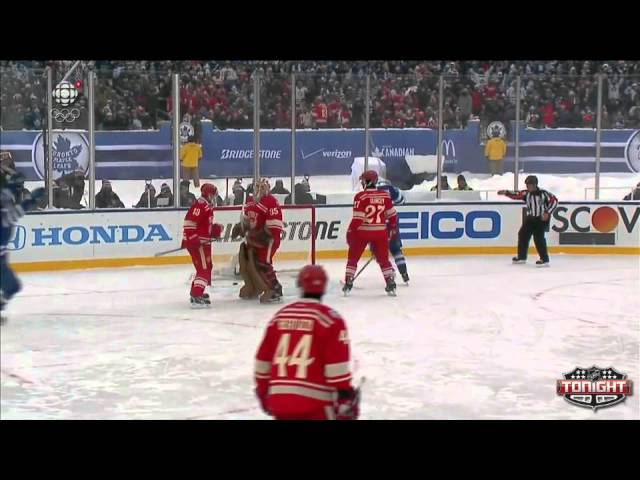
(298, 358)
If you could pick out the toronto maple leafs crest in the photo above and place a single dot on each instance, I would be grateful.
(632, 152)
(70, 152)
(594, 387)
(186, 130)
(497, 129)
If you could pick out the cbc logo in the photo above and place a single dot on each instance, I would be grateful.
(632, 152)
(65, 94)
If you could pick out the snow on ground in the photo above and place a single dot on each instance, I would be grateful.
(566, 187)
(470, 338)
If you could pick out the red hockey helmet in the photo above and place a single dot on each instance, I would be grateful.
(369, 178)
(209, 191)
(312, 279)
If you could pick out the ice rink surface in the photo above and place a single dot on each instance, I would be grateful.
(470, 338)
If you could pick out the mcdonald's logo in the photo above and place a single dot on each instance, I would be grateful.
(448, 148)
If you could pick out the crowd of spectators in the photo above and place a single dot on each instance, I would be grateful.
(134, 95)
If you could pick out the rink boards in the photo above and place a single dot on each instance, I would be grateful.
(113, 238)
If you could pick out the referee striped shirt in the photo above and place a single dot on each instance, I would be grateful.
(538, 202)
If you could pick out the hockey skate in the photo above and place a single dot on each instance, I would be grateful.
(391, 287)
(405, 277)
(271, 296)
(542, 263)
(348, 285)
(200, 302)
(518, 260)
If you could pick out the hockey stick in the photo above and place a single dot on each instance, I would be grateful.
(359, 390)
(362, 269)
(167, 252)
(359, 271)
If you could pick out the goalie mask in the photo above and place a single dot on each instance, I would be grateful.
(262, 188)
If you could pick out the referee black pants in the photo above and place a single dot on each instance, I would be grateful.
(536, 227)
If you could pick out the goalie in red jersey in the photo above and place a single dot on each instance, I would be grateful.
(198, 231)
(374, 221)
(302, 367)
(262, 229)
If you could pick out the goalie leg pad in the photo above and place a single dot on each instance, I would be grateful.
(248, 290)
(254, 274)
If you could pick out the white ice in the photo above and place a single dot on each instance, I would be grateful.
(470, 338)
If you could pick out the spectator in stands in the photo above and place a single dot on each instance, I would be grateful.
(190, 155)
(7, 164)
(148, 197)
(588, 118)
(634, 114)
(462, 183)
(186, 197)
(137, 94)
(107, 198)
(303, 197)
(32, 119)
(238, 192)
(635, 194)
(464, 103)
(533, 118)
(219, 200)
(279, 188)
(165, 197)
(444, 184)
(320, 113)
(495, 150)
(71, 190)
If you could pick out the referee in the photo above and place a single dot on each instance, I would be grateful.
(540, 206)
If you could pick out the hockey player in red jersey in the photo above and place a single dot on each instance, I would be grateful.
(265, 219)
(198, 230)
(302, 365)
(373, 210)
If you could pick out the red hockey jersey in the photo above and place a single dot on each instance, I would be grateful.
(197, 223)
(269, 215)
(303, 359)
(372, 209)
